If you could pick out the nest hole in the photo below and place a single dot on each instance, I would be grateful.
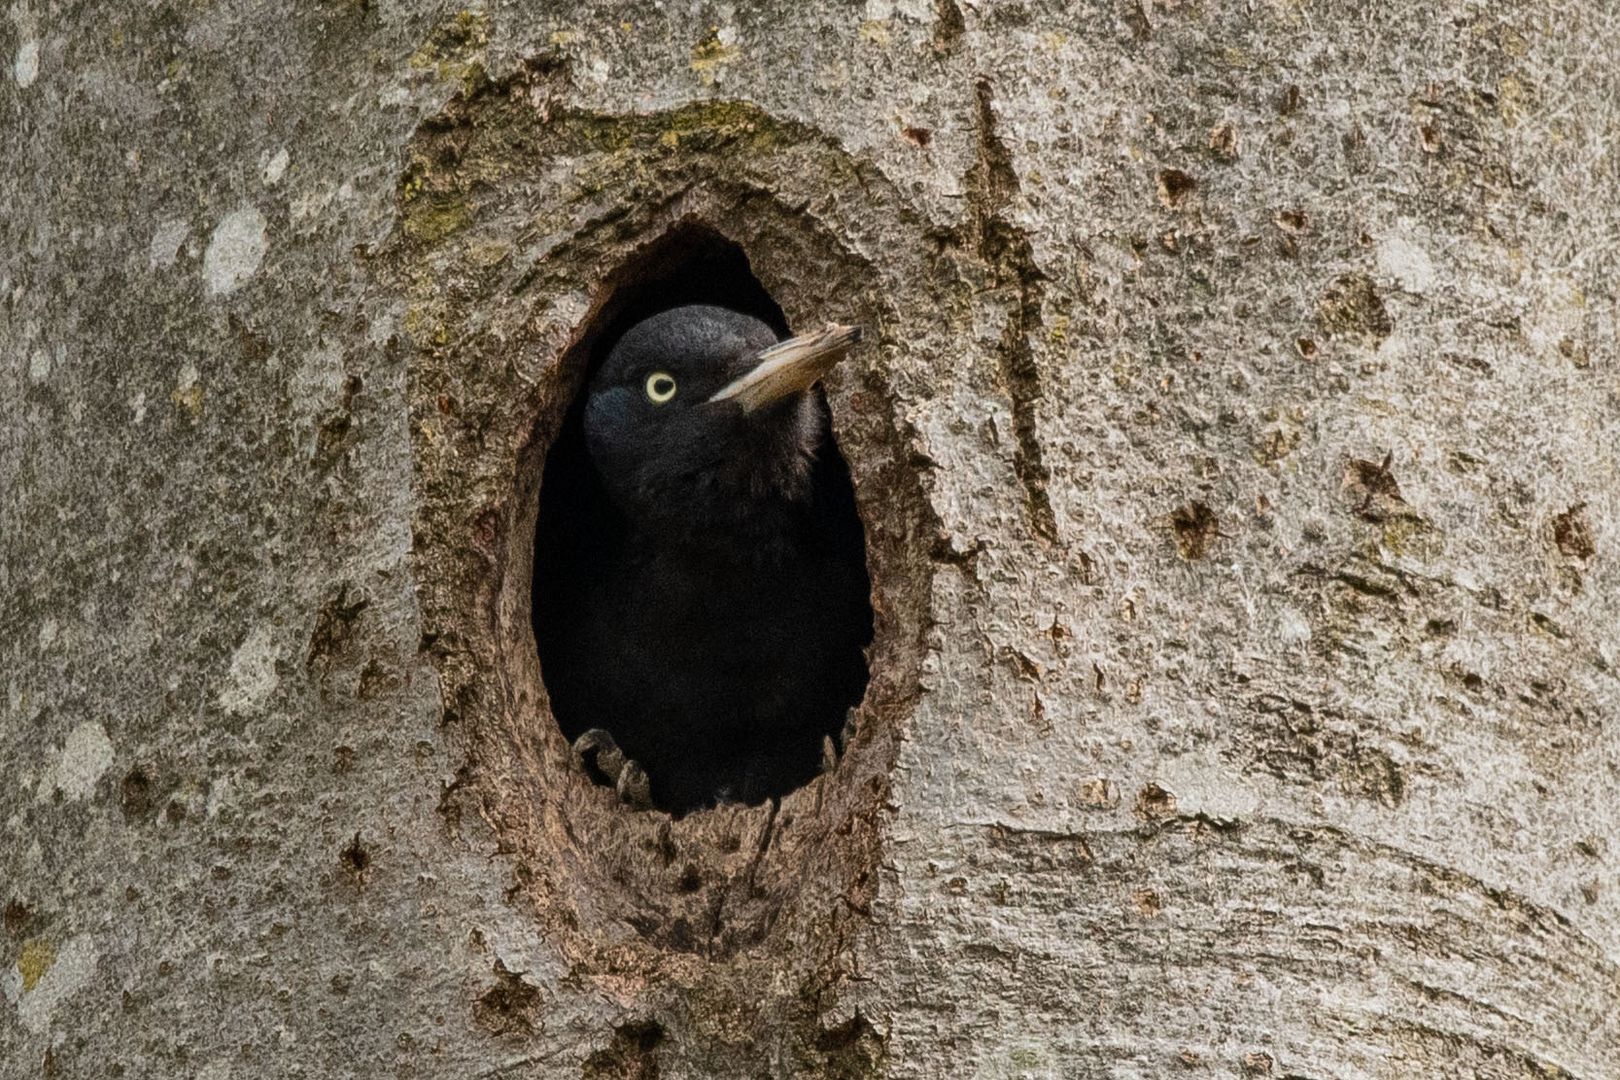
(580, 535)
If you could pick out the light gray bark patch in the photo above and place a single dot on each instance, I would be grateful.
(87, 754)
(25, 66)
(234, 251)
(166, 241)
(252, 677)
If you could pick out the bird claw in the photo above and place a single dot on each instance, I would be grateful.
(597, 751)
(634, 789)
(600, 756)
(829, 753)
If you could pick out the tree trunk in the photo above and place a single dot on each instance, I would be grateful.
(1237, 455)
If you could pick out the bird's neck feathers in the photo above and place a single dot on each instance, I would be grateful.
(757, 494)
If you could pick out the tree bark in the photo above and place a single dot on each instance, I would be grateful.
(1237, 454)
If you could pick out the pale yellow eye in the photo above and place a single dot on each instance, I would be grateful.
(660, 387)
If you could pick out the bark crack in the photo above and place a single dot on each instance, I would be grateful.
(949, 26)
(1006, 250)
(746, 882)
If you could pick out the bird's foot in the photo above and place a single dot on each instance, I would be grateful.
(602, 759)
(634, 789)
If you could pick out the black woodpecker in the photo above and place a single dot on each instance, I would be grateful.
(712, 642)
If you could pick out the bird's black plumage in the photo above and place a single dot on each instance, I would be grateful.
(710, 605)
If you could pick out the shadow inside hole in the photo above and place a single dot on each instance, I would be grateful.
(580, 536)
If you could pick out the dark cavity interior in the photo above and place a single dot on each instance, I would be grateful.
(578, 529)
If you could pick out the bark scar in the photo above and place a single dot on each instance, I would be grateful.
(744, 886)
(1006, 250)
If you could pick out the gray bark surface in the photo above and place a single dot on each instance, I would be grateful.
(1238, 453)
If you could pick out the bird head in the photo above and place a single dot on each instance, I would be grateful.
(699, 414)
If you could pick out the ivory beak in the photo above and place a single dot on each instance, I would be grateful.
(789, 367)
